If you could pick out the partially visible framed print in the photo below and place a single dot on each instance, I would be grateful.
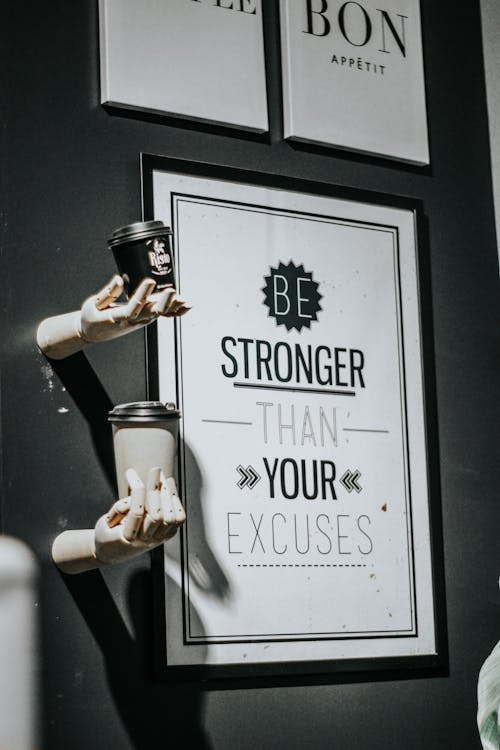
(185, 58)
(353, 76)
(303, 458)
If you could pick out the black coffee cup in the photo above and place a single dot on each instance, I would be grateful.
(144, 249)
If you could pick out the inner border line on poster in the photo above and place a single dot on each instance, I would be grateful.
(302, 637)
(177, 198)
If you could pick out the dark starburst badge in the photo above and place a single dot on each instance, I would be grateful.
(292, 296)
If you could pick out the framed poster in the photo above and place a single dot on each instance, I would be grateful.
(303, 461)
(353, 76)
(184, 58)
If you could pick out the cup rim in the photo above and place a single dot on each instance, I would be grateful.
(144, 411)
(139, 230)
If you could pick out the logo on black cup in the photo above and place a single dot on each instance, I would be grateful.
(159, 257)
(292, 296)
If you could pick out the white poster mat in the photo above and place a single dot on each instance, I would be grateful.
(185, 59)
(353, 76)
(303, 460)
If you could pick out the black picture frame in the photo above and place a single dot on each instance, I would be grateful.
(314, 670)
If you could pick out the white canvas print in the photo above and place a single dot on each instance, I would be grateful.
(197, 59)
(353, 76)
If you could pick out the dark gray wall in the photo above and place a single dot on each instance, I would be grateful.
(70, 175)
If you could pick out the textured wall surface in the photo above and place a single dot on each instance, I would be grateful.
(69, 176)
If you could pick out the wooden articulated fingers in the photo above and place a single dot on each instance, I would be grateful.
(173, 511)
(154, 511)
(133, 521)
(117, 512)
(161, 301)
(177, 308)
(167, 505)
(110, 293)
(136, 303)
(178, 508)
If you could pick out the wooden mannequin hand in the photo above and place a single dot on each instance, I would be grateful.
(140, 522)
(135, 524)
(101, 318)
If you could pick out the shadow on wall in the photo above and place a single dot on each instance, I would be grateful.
(150, 711)
(91, 399)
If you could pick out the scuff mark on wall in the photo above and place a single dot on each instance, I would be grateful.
(48, 374)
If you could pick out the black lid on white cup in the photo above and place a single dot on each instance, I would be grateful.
(144, 411)
(139, 230)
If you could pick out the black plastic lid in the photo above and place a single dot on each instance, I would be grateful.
(144, 411)
(140, 230)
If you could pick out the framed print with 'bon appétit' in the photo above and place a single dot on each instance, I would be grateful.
(353, 76)
(304, 458)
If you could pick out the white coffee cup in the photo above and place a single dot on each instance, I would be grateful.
(144, 436)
